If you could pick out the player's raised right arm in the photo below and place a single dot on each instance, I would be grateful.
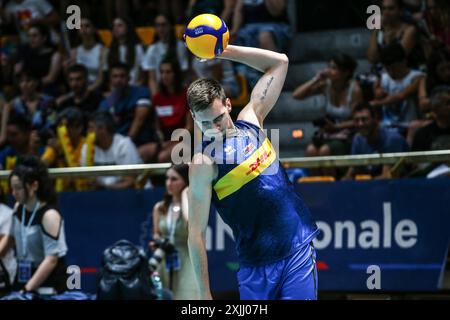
(201, 174)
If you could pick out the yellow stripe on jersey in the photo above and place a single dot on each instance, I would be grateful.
(246, 171)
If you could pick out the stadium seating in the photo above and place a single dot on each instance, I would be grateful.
(146, 35)
(244, 96)
(316, 179)
(105, 36)
(309, 53)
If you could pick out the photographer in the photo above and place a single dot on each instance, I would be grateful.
(342, 94)
(170, 234)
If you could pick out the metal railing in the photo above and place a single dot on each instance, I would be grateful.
(312, 162)
(369, 159)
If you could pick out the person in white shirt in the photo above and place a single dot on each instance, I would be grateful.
(126, 48)
(8, 262)
(165, 45)
(28, 12)
(110, 149)
(90, 53)
(396, 92)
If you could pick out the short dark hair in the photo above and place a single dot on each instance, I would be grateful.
(440, 96)
(21, 122)
(31, 169)
(202, 93)
(29, 75)
(364, 106)
(72, 115)
(78, 68)
(44, 30)
(105, 120)
(345, 63)
(392, 53)
(121, 66)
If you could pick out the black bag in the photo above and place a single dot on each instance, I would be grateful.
(125, 274)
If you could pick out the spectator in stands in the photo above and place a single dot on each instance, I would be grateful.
(80, 96)
(372, 138)
(171, 106)
(2, 110)
(437, 21)
(41, 245)
(397, 90)
(142, 11)
(20, 142)
(413, 8)
(7, 78)
(32, 104)
(41, 59)
(18, 131)
(436, 135)
(438, 74)
(220, 70)
(8, 262)
(131, 107)
(174, 9)
(221, 8)
(91, 54)
(263, 24)
(110, 149)
(342, 95)
(170, 221)
(65, 149)
(394, 30)
(26, 13)
(166, 45)
(125, 48)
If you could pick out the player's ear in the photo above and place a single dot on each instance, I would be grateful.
(228, 104)
(192, 114)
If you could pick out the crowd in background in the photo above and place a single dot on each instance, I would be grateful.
(403, 104)
(75, 98)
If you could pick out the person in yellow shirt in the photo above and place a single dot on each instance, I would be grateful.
(65, 149)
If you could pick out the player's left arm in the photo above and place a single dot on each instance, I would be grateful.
(267, 90)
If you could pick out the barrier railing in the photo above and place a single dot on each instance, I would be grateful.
(311, 162)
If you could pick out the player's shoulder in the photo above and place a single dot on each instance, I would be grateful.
(159, 206)
(248, 117)
(202, 168)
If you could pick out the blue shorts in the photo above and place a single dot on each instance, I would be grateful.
(293, 278)
(281, 32)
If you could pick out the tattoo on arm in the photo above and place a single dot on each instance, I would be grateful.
(267, 88)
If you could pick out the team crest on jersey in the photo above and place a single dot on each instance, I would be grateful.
(249, 149)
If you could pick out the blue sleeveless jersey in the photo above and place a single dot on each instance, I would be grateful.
(254, 196)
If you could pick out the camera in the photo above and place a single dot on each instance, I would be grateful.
(319, 122)
(163, 247)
